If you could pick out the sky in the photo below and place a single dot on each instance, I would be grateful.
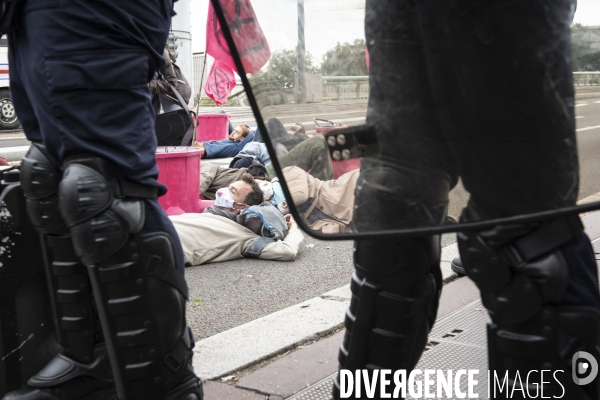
(327, 22)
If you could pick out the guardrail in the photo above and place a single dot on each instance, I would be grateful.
(357, 87)
(345, 88)
(591, 78)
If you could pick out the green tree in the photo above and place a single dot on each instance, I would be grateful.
(346, 59)
(282, 67)
(585, 45)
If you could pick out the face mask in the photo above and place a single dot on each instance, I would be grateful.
(223, 198)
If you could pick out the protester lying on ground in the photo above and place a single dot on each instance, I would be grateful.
(244, 191)
(229, 147)
(252, 151)
(288, 138)
(325, 205)
(208, 238)
(311, 155)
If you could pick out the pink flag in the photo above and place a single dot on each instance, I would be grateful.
(248, 37)
(219, 83)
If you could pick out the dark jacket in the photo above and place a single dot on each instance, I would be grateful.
(160, 85)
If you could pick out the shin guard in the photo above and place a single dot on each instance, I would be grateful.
(139, 293)
(523, 276)
(82, 360)
(395, 293)
(26, 334)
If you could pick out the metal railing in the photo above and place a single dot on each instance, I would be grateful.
(345, 88)
(591, 78)
(357, 87)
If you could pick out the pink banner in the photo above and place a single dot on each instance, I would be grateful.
(248, 37)
(219, 83)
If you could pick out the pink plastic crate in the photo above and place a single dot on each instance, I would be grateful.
(179, 171)
(204, 204)
(212, 127)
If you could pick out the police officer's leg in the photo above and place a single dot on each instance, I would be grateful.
(82, 367)
(539, 284)
(507, 104)
(132, 263)
(93, 99)
(397, 282)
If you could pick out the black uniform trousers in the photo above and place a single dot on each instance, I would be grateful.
(79, 73)
(483, 91)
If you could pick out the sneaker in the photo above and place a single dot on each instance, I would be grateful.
(457, 266)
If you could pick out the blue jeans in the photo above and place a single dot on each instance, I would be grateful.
(226, 148)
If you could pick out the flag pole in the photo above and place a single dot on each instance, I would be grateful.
(200, 92)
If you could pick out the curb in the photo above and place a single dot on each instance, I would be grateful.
(13, 153)
(583, 96)
(246, 345)
(263, 338)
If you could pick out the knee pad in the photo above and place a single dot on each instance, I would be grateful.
(40, 176)
(101, 208)
(395, 293)
(523, 276)
(389, 196)
(519, 267)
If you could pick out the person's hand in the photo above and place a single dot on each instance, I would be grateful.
(291, 223)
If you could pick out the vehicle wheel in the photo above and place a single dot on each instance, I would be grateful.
(8, 116)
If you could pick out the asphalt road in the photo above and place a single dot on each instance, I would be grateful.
(229, 294)
(232, 293)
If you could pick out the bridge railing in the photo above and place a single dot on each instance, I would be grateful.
(345, 88)
(586, 78)
(357, 88)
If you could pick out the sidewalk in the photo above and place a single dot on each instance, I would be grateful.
(292, 354)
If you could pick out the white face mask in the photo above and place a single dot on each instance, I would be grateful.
(223, 198)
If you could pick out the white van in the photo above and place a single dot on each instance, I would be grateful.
(8, 117)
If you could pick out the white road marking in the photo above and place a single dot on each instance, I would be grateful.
(580, 116)
(597, 102)
(582, 104)
(588, 128)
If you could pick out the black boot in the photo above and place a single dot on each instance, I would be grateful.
(456, 266)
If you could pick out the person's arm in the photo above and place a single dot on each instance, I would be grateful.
(286, 249)
(161, 86)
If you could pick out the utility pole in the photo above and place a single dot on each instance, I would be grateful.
(300, 91)
(182, 39)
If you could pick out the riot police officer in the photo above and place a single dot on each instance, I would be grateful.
(79, 81)
(482, 91)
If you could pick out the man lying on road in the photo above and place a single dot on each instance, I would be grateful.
(225, 233)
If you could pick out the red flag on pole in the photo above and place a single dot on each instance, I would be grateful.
(247, 35)
(219, 83)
